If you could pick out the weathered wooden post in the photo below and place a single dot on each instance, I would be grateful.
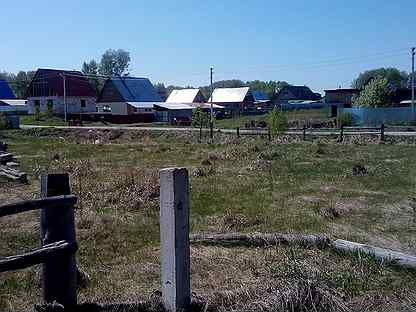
(304, 133)
(60, 274)
(341, 134)
(174, 235)
(238, 132)
(382, 132)
(200, 132)
(269, 134)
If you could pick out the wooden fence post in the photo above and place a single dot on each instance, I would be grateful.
(238, 132)
(341, 134)
(174, 235)
(269, 134)
(304, 133)
(200, 132)
(382, 132)
(60, 274)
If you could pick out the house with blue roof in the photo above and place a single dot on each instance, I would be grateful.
(5, 91)
(131, 99)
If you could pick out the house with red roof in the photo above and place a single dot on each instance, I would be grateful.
(60, 91)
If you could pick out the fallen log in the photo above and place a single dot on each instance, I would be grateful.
(13, 174)
(260, 240)
(386, 256)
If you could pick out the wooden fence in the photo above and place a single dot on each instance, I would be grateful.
(58, 240)
(304, 132)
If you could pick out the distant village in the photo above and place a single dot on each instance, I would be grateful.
(129, 99)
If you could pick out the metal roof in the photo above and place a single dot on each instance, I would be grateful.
(182, 96)
(136, 89)
(5, 90)
(174, 106)
(229, 95)
(49, 82)
(141, 104)
(207, 105)
(260, 96)
(13, 102)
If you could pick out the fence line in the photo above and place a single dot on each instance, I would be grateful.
(58, 240)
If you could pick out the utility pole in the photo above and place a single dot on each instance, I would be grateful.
(211, 124)
(413, 82)
(65, 106)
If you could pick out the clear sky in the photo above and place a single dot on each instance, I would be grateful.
(319, 43)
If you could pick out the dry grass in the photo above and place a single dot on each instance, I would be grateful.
(247, 185)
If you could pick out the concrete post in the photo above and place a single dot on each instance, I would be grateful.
(174, 237)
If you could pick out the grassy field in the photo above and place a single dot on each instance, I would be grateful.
(244, 185)
(294, 117)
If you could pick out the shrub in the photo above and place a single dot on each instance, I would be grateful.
(278, 122)
(200, 118)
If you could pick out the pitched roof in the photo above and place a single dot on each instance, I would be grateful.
(5, 90)
(260, 96)
(174, 106)
(229, 95)
(298, 92)
(49, 82)
(131, 89)
(183, 96)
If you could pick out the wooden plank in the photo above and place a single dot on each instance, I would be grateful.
(5, 157)
(384, 255)
(46, 253)
(44, 203)
(59, 276)
(174, 234)
(259, 240)
(13, 174)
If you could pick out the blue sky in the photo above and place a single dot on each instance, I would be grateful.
(322, 44)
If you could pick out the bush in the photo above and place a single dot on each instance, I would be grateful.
(344, 119)
(200, 118)
(278, 122)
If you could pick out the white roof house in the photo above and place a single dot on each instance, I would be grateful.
(185, 96)
(229, 95)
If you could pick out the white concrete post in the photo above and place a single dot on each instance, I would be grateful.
(174, 237)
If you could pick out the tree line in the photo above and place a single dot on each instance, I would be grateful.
(117, 63)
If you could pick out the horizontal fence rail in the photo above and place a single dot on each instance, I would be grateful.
(45, 253)
(43, 203)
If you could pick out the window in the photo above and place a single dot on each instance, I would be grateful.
(83, 103)
(106, 109)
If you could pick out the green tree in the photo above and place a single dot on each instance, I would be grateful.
(278, 122)
(115, 63)
(375, 94)
(200, 118)
(91, 69)
(395, 77)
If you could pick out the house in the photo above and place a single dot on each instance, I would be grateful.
(5, 90)
(290, 94)
(61, 91)
(340, 96)
(128, 99)
(186, 96)
(234, 100)
(174, 113)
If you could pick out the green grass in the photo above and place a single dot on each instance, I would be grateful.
(292, 116)
(42, 120)
(249, 186)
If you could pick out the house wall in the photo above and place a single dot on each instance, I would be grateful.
(73, 104)
(117, 108)
(344, 97)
